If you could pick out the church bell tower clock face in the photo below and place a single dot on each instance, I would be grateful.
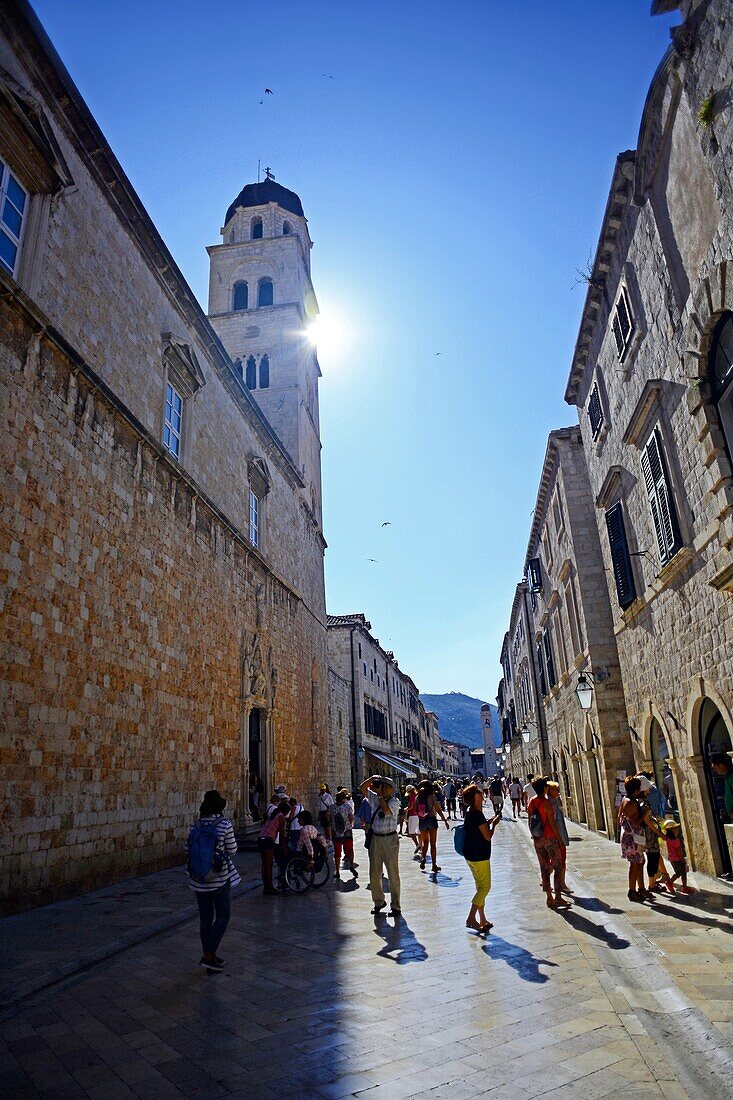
(261, 304)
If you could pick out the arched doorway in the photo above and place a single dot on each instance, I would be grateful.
(715, 737)
(565, 775)
(579, 792)
(663, 775)
(596, 791)
(256, 748)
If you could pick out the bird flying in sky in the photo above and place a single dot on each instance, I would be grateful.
(269, 91)
(374, 560)
(387, 523)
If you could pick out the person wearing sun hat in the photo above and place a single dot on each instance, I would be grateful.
(325, 807)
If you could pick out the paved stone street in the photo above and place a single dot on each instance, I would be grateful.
(319, 1000)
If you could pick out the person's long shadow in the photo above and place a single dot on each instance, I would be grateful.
(400, 943)
(708, 900)
(595, 905)
(518, 958)
(690, 918)
(347, 886)
(582, 924)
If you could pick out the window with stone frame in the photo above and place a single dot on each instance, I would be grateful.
(720, 374)
(623, 324)
(240, 296)
(620, 555)
(259, 487)
(661, 500)
(182, 379)
(576, 636)
(541, 667)
(265, 292)
(256, 229)
(32, 171)
(264, 372)
(250, 373)
(595, 411)
(549, 658)
(558, 515)
(254, 518)
(562, 653)
(14, 203)
(173, 421)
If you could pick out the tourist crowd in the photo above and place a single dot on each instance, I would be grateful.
(287, 830)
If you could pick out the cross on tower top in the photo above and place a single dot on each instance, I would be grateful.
(268, 174)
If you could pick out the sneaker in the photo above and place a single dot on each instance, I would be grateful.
(214, 965)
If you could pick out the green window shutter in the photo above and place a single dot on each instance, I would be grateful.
(622, 571)
(661, 503)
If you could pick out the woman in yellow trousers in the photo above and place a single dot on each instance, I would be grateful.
(477, 854)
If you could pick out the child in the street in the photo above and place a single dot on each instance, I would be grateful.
(309, 835)
(676, 853)
(342, 823)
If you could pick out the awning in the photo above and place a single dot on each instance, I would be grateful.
(395, 765)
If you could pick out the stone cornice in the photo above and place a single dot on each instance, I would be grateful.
(549, 467)
(618, 200)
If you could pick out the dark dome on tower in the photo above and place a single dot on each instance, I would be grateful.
(258, 194)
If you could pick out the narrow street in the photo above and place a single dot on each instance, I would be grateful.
(319, 999)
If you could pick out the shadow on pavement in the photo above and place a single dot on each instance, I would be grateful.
(346, 886)
(400, 943)
(440, 879)
(582, 924)
(595, 905)
(690, 918)
(518, 958)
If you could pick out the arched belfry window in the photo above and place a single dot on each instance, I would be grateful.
(241, 296)
(256, 229)
(238, 368)
(264, 372)
(720, 374)
(265, 293)
(250, 376)
(287, 229)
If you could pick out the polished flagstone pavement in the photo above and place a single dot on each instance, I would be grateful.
(320, 999)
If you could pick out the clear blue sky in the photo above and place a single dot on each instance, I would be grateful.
(454, 162)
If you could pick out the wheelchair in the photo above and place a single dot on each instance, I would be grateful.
(299, 874)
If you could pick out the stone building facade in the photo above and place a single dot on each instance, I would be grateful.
(572, 632)
(161, 629)
(389, 729)
(651, 378)
(449, 758)
(520, 702)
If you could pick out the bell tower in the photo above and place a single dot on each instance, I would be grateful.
(261, 301)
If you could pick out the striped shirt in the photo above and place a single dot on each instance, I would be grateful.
(227, 844)
(382, 822)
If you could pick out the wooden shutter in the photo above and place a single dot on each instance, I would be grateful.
(622, 324)
(595, 412)
(549, 660)
(622, 572)
(661, 503)
(535, 574)
(541, 666)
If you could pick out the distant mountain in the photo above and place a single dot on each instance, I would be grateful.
(460, 718)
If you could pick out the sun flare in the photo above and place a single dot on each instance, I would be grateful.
(332, 335)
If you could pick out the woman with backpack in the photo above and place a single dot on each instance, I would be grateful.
(547, 843)
(342, 824)
(475, 847)
(211, 874)
(428, 811)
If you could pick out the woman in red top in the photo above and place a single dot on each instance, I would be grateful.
(546, 843)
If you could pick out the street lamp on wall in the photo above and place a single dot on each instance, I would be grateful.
(584, 689)
(525, 733)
